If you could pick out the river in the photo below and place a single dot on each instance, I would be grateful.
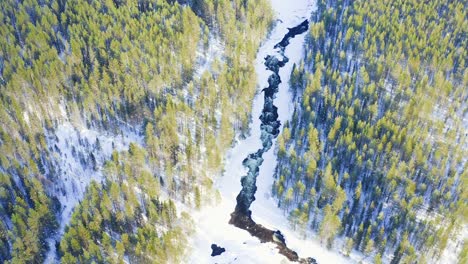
(270, 128)
(212, 222)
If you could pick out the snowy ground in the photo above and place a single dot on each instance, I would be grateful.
(212, 222)
(454, 247)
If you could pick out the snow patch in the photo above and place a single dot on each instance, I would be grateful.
(207, 57)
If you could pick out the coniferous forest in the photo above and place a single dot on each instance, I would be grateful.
(107, 66)
(376, 151)
(117, 118)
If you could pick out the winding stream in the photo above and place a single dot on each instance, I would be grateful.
(241, 217)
